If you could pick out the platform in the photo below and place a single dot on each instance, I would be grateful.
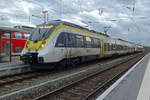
(134, 85)
(12, 69)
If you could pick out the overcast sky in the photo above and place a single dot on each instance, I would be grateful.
(125, 19)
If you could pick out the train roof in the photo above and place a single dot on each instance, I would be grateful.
(57, 22)
(76, 26)
(15, 29)
(25, 29)
(8, 29)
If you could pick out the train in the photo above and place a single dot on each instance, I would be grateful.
(18, 40)
(64, 43)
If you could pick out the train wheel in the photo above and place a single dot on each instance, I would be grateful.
(78, 61)
(62, 64)
(74, 62)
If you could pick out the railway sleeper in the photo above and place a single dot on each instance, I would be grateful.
(83, 88)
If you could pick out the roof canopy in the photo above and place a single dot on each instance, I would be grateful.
(7, 29)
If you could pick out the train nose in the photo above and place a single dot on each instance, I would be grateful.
(29, 58)
(40, 60)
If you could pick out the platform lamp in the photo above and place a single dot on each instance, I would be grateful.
(45, 15)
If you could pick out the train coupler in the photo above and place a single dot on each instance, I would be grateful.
(29, 58)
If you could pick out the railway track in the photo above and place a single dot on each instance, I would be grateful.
(8, 84)
(86, 87)
(19, 79)
(13, 81)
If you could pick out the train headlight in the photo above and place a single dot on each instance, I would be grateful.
(43, 44)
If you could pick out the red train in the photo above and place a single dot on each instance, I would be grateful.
(18, 41)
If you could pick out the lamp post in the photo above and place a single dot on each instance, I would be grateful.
(45, 15)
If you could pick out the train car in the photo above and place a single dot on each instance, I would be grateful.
(64, 42)
(18, 41)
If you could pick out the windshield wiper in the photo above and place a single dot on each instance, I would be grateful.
(39, 32)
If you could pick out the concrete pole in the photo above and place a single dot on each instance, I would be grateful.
(0, 46)
(10, 46)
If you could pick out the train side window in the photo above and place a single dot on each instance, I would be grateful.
(71, 41)
(96, 43)
(99, 43)
(116, 47)
(18, 49)
(61, 40)
(7, 35)
(113, 47)
(18, 35)
(110, 44)
(84, 40)
(88, 41)
(26, 36)
(79, 41)
(105, 46)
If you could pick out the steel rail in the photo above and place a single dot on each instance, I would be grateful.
(82, 79)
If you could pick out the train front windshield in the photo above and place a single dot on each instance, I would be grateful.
(41, 33)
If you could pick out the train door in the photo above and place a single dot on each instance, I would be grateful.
(67, 49)
(64, 44)
(102, 48)
(7, 49)
(70, 44)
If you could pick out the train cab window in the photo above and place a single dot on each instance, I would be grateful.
(88, 41)
(18, 49)
(26, 36)
(61, 40)
(79, 41)
(18, 35)
(7, 35)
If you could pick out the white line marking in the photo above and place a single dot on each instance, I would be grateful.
(7, 65)
(144, 92)
(101, 97)
(10, 68)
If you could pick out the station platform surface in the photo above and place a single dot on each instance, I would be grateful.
(134, 85)
(5, 61)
